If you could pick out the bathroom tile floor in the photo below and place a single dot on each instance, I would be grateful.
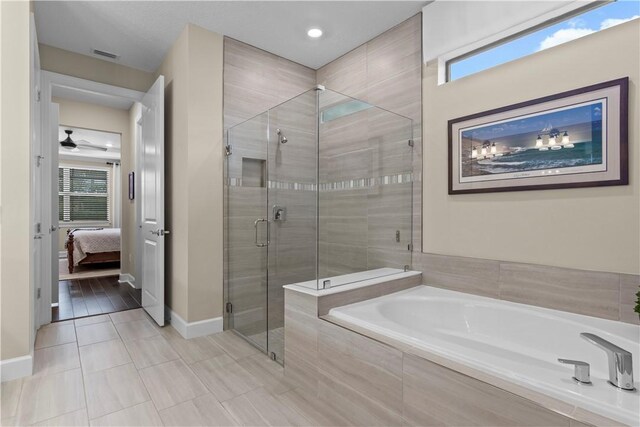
(121, 369)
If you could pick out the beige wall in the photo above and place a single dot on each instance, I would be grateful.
(175, 71)
(590, 228)
(15, 288)
(86, 67)
(97, 117)
(193, 167)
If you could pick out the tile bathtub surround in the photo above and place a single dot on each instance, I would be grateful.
(592, 293)
(369, 382)
(216, 380)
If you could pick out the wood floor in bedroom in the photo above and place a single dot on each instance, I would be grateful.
(96, 295)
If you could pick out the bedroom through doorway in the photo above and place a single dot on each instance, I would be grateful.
(94, 208)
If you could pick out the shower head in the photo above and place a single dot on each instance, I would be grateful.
(281, 138)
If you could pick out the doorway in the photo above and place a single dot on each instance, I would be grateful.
(90, 211)
(92, 136)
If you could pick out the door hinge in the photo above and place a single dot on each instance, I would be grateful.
(39, 160)
(411, 143)
(229, 308)
(38, 228)
(38, 95)
(38, 293)
(227, 149)
(410, 247)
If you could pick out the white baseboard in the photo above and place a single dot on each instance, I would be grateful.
(15, 368)
(62, 254)
(193, 329)
(127, 278)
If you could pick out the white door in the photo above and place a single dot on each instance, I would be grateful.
(151, 198)
(54, 230)
(38, 232)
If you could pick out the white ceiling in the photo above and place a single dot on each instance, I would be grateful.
(141, 32)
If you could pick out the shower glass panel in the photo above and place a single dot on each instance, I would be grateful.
(292, 201)
(318, 193)
(247, 232)
(365, 191)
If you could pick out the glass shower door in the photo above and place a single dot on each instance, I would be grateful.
(292, 200)
(247, 229)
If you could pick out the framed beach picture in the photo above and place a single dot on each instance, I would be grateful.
(572, 139)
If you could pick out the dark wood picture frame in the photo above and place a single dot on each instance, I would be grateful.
(622, 143)
(132, 185)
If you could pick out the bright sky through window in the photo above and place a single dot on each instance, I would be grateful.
(575, 27)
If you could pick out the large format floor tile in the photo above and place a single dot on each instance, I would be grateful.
(233, 345)
(194, 349)
(136, 329)
(258, 407)
(48, 396)
(103, 355)
(114, 389)
(171, 383)
(144, 414)
(84, 321)
(128, 316)
(10, 396)
(201, 411)
(50, 360)
(96, 332)
(150, 351)
(72, 419)
(224, 377)
(55, 334)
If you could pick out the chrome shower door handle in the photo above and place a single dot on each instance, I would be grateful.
(255, 226)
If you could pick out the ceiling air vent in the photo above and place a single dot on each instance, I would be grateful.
(105, 54)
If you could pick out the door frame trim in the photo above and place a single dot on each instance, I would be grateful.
(50, 80)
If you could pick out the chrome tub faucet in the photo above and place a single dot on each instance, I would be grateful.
(620, 362)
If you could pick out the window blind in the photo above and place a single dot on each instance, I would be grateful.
(83, 194)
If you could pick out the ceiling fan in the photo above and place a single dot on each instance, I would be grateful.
(69, 144)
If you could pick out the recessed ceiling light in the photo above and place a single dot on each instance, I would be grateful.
(314, 33)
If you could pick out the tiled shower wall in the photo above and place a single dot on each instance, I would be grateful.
(358, 226)
(255, 81)
(385, 72)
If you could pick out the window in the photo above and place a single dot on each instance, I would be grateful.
(83, 194)
(550, 35)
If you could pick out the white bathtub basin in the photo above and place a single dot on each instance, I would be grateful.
(514, 342)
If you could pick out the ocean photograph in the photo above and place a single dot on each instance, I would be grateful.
(563, 138)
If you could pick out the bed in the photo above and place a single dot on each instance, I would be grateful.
(92, 246)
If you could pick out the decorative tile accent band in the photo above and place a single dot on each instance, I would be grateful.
(349, 184)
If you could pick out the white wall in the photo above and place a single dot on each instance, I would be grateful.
(459, 26)
(589, 228)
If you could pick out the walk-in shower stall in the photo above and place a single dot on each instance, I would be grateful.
(318, 192)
